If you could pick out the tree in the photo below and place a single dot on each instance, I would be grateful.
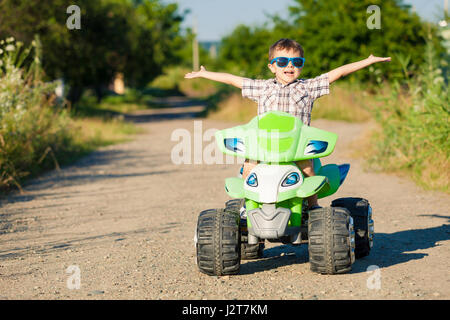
(335, 33)
(154, 40)
(332, 33)
(129, 36)
(246, 50)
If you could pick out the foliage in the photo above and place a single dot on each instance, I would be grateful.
(36, 132)
(173, 80)
(347, 102)
(32, 128)
(245, 51)
(153, 41)
(340, 33)
(414, 123)
(184, 53)
(332, 33)
(234, 108)
(413, 114)
(136, 38)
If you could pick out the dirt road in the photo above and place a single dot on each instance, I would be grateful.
(119, 224)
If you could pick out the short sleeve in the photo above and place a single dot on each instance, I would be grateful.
(318, 86)
(252, 89)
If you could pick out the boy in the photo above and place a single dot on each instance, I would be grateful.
(286, 92)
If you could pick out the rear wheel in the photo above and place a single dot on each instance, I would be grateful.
(361, 212)
(235, 205)
(218, 242)
(331, 240)
(248, 251)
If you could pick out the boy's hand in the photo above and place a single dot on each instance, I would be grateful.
(195, 74)
(374, 59)
(337, 73)
(216, 76)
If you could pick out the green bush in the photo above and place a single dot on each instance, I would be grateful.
(415, 125)
(173, 80)
(133, 37)
(332, 33)
(33, 128)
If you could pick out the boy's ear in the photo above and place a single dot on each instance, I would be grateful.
(271, 67)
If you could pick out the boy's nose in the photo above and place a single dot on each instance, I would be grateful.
(290, 65)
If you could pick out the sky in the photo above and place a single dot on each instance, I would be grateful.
(217, 18)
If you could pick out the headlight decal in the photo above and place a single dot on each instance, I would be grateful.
(315, 147)
(291, 179)
(234, 144)
(252, 180)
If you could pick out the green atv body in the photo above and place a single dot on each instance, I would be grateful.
(275, 190)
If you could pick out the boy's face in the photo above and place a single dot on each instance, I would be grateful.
(289, 73)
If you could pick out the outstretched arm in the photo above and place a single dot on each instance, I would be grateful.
(335, 74)
(216, 76)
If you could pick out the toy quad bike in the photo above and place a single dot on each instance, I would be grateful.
(272, 198)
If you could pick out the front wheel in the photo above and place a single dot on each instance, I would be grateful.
(218, 242)
(331, 240)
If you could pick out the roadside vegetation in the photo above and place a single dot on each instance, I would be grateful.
(406, 100)
(413, 124)
(40, 130)
(37, 131)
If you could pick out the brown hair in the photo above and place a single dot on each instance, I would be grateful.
(285, 44)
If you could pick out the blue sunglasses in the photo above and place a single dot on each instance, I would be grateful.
(283, 62)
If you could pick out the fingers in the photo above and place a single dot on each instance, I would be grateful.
(379, 59)
(384, 59)
(189, 75)
(194, 74)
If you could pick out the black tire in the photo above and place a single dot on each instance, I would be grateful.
(248, 251)
(330, 240)
(218, 242)
(360, 211)
(235, 205)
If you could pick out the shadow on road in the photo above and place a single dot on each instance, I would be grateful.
(87, 170)
(389, 249)
(164, 115)
(77, 243)
(169, 108)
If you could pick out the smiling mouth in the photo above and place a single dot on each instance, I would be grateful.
(289, 73)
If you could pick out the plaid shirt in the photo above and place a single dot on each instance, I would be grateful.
(296, 98)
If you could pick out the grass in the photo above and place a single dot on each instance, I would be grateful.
(102, 124)
(37, 132)
(54, 140)
(432, 173)
(412, 132)
(234, 108)
(173, 80)
(346, 102)
(111, 105)
(96, 132)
